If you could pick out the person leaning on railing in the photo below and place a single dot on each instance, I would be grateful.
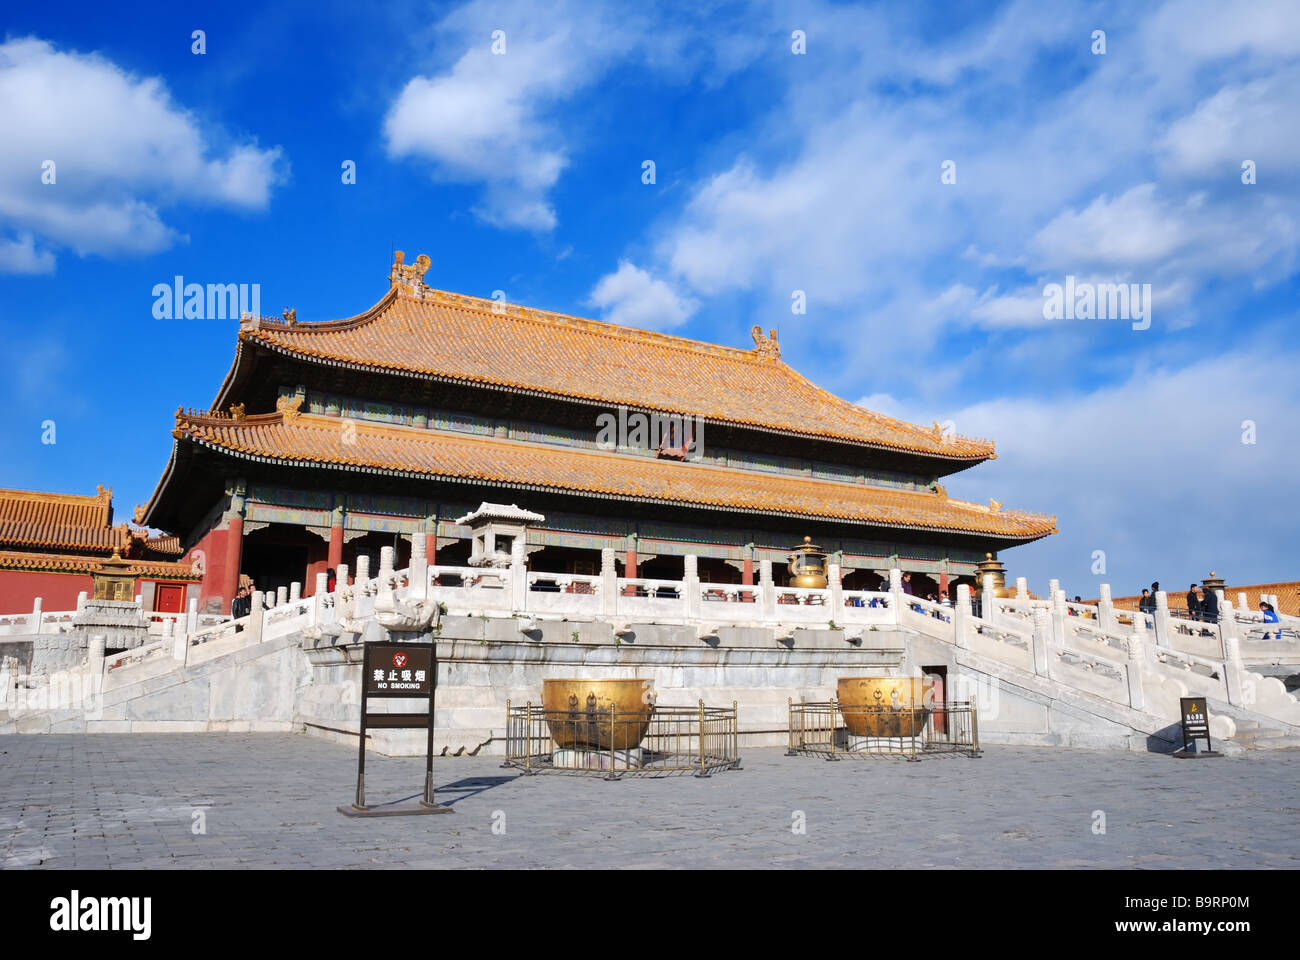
(1270, 616)
(240, 606)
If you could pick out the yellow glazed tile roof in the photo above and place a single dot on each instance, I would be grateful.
(310, 439)
(60, 521)
(427, 332)
(64, 563)
(1287, 593)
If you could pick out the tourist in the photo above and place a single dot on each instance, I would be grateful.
(1270, 616)
(1209, 604)
(907, 584)
(331, 580)
(1147, 602)
(1193, 605)
(239, 607)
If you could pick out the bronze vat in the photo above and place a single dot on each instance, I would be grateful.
(578, 712)
(807, 566)
(884, 706)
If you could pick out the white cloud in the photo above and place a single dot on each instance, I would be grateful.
(1131, 230)
(1152, 470)
(1250, 121)
(507, 120)
(492, 118)
(630, 296)
(21, 256)
(482, 121)
(121, 149)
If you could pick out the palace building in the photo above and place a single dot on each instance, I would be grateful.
(53, 544)
(329, 440)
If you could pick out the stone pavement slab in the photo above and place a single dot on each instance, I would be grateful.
(196, 801)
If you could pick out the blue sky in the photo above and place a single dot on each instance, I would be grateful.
(774, 172)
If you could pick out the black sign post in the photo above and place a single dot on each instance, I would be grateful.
(397, 670)
(1196, 726)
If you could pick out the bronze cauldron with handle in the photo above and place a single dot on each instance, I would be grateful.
(578, 712)
(884, 706)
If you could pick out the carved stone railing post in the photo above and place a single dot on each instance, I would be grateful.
(82, 597)
(691, 585)
(295, 592)
(518, 575)
(1228, 628)
(1058, 618)
(836, 584)
(989, 600)
(256, 617)
(180, 643)
(418, 574)
(1133, 671)
(1041, 641)
(363, 569)
(95, 655)
(1106, 610)
(608, 583)
(36, 616)
(896, 594)
(766, 590)
(1022, 588)
(1234, 672)
(1161, 619)
(318, 597)
(192, 615)
(961, 613)
(281, 596)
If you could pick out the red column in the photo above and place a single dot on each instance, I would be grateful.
(234, 555)
(943, 585)
(336, 546)
(431, 548)
(629, 570)
(747, 575)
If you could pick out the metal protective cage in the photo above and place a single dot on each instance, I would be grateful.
(669, 740)
(911, 731)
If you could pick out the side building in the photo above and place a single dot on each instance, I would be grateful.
(52, 544)
(330, 440)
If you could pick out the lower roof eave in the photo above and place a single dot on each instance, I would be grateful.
(1009, 540)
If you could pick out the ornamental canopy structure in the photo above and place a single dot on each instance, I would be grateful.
(329, 440)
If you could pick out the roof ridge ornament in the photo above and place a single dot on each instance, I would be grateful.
(288, 407)
(410, 276)
(766, 347)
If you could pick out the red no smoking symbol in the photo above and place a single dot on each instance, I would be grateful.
(399, 659)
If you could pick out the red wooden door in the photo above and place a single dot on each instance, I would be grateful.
(940, 715)
(169, 598)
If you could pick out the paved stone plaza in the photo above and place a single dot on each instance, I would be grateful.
(269, 801)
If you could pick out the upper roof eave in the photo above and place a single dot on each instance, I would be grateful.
(285, 338)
